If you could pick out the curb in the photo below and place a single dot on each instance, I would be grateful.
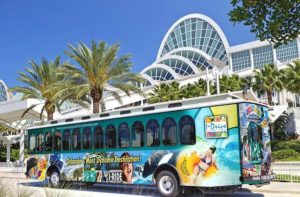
(268, 191)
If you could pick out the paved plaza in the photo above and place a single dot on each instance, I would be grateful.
(16, 184)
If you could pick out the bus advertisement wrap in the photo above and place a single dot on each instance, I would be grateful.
(255, 137)
(208, 161)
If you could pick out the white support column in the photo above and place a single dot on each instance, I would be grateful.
(8, 152)
(207, 82)
(274, 56)
(251, 59)
(218, 83)
(22, 145)
(230, 63)
(298, 46)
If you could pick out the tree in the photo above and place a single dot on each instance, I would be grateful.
(38, 80)
(99, 71)
(194, 90)
(165, 92)
(292, 77)
(267, 80)
(275, 20)
(230, 83)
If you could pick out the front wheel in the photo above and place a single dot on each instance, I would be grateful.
(54, 179)
(167, 184)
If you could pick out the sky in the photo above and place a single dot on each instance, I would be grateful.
(32, 29)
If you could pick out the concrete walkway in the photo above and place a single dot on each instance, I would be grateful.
(275, 187)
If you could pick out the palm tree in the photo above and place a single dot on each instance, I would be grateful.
(100, 71)
(267, 80)
(194, 90)
(292, 77)
(38, 80)
(230, 83)
(165, 92)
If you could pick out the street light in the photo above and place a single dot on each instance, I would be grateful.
(218, 65)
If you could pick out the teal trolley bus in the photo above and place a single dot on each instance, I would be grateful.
(210, 143)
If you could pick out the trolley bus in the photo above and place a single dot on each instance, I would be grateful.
(209, 142)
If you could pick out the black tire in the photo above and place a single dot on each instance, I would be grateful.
(167, 184)
(54, 179)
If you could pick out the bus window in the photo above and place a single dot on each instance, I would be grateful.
(169, 132)
(98, 141)
(187, 130)
(76, 139)
(32, 141)
(152, 133)
(66, 140)
(124, 135)
(40, 141)
(137, 134)
(57, 141)
(48, 141)
(87, 138)
(110, 136)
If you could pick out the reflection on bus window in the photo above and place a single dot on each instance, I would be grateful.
(67, 140)
(48, 141)
(187, 130)
(32, 142)
(40, 141)
(57, 141)
(137, 134)
(87, 138)
(98, 141)
(152, 133)
(169, 132)
(110, 136)
(124, 135)
(76, 139)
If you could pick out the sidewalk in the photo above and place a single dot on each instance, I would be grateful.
(6, 173)
(274, 187)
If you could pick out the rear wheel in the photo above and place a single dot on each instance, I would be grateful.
(167, 184)
(54, 179)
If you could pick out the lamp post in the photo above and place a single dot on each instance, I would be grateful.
(218, 65)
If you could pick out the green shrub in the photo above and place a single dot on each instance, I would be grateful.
(285, 154)
(290, 144)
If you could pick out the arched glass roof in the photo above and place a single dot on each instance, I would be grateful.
(179, 66)
(196, 58)
(159, 74)
(197, 32)
(3, 92)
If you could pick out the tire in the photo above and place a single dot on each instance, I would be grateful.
(54, 179)
(167, 184)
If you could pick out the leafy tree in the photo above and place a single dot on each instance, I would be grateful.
(100, 71)
(292, 77)
(194, 90)
(38, 80)
(268, 80)
(275, 20)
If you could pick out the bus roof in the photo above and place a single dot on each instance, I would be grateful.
(204, 101)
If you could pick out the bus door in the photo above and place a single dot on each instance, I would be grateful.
(255, 143)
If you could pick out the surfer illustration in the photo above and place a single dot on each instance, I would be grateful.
(205, 162)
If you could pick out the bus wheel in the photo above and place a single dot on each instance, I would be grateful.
(167, 184)
(54, 179)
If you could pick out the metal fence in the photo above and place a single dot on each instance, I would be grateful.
(287, 171)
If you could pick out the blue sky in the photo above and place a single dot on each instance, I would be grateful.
(33, 29)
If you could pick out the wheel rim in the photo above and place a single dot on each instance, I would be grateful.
(166, 184)
(54, 179)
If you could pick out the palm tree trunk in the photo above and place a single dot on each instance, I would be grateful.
(49, 115)
(96, 97)
(269, 94)
(49, 109)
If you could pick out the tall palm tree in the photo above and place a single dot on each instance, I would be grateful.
(38, 80)
(292, 77)
(194, 90)
(99, 71)
(268, 80)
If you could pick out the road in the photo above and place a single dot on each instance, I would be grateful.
(24, 188)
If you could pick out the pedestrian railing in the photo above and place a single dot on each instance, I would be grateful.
(12, 166)
(287, 171)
